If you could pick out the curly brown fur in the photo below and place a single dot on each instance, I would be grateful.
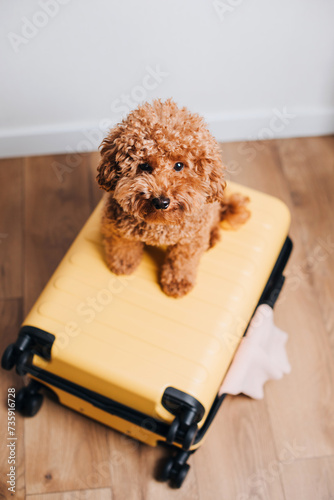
(159, 136)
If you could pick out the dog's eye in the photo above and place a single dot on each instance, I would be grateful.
(178, 166)
(145, 167)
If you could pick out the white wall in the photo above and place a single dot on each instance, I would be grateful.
(253, 68)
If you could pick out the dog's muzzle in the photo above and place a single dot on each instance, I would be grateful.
(161, 203)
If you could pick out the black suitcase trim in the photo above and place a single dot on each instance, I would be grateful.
(269, 296)
(190, 410)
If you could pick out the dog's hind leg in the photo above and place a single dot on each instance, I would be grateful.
(234, 209)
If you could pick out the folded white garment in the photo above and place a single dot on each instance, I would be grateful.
(261, 356)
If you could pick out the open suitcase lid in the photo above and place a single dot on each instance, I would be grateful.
(123, 338)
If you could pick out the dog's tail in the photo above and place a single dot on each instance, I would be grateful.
(234, 210)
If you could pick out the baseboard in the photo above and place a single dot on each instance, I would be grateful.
(226, 127)
(276, 123)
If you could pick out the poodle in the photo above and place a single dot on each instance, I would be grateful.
(164, 176)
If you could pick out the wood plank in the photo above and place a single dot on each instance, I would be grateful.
(311, 479)
(55, 212)
(152, 489)
(311, 358)
(96, 494)
(135, 467)
(237, 453)
(125, 466)
(75, 454)
(301, 404)
(96, 192)
(64, 165)
(309, 166)
(11, 245)
(256, 165)
(11, 318)
(311, 382)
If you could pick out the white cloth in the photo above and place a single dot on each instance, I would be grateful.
(261, 356)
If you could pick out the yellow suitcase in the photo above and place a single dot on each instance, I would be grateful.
(118, 350)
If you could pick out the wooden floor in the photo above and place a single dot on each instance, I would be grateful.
(279, 448)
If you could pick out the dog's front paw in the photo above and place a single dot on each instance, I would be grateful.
(123, 259)
(175, 284)
(121, 265)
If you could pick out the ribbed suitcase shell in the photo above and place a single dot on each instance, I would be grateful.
(123, 338)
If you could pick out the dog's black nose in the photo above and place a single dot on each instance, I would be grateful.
(161, 203)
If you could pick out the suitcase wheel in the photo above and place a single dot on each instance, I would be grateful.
(172, 431)
(28, 400)
(188, 435)
(165, 475)
(181, 475)
(9, 357)
(176, 469)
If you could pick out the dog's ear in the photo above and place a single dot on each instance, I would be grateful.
(108, 170)
(217, 183)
